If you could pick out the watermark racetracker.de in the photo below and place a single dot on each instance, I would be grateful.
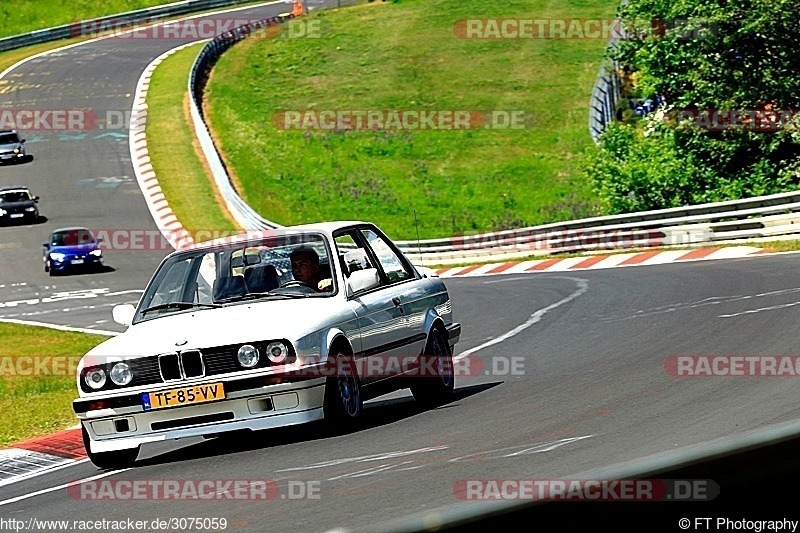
(732, 366)
(208, 489)
(577, 28)
(402, 119)
(200, 28)
(641, 490)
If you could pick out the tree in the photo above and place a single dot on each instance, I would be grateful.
(710, 59)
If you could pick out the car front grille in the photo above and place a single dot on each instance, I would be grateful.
(181, 365)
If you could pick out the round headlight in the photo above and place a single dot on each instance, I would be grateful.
(277, 352)
(95, 378)
(121, 374)
(247, 356)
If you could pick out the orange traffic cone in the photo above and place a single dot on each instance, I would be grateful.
(298, 8)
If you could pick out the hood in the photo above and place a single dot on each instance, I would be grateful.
(239, 323)
(7, 147)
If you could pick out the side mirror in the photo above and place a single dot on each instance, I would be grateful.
(99, 240)
(22, 141)
(36, 199)
(123, 314)
(46, 244)
(362, 280)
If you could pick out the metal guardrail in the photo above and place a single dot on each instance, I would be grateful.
(245, 215)
(606, 92)
(605, 97)
(759, 217)
(117, 21)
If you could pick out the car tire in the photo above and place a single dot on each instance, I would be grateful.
(343, 404)
(47, 266)
(432, 390)
(110, 460)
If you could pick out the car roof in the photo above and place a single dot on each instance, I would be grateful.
(326, 228)
(70, 228)
(13, 188)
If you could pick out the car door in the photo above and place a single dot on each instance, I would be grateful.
(408, 292)
(379, 313)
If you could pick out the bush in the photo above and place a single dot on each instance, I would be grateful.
(703, 55)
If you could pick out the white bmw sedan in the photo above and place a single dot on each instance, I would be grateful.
(262, 331)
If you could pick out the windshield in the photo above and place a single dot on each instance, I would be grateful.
(71, 237)
(9, 138)
(8, 197)
(233, 273)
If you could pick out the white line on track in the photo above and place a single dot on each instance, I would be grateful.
(61, 487)
(29, 475)
(583, 286)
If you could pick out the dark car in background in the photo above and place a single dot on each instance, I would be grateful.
(70, 249)
(12, 147)
(17, 204)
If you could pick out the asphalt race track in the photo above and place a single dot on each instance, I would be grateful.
(576, 382)
(84, 176)
(562, 374)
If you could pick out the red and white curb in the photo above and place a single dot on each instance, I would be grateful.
(42, 455)
(596, 262)
(166, 221)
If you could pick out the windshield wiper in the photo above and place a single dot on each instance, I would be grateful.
(178, 305)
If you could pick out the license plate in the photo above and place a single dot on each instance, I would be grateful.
(77, 261)
(183, 396)
(17, 215)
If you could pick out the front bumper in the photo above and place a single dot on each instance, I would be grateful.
(453, 334)
(67, 264)
(18, 216)
(272, 406)
(11, 157)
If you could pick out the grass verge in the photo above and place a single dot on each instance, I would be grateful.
(37, 379)
(405, 56)
(174, 151)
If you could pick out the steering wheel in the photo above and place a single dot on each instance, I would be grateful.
(298, 283)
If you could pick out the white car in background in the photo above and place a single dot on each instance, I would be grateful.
(224, 338)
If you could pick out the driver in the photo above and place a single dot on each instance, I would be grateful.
(305, 268)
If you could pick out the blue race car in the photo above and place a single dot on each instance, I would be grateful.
(70, 249)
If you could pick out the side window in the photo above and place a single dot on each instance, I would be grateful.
(392, 265)
(351, 257)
